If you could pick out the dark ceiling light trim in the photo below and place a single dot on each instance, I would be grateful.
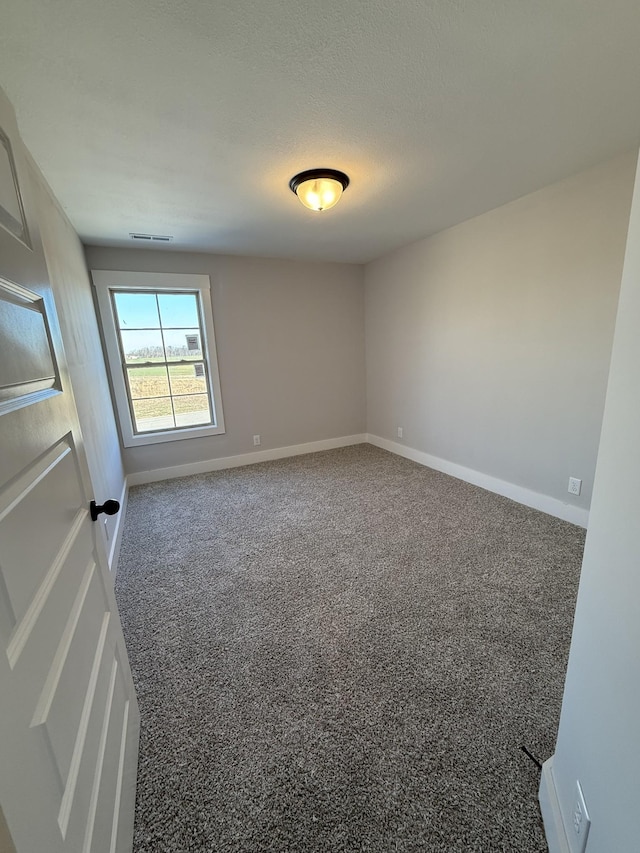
(319, 189)
(315, 174)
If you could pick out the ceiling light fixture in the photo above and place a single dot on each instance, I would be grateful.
(319, 189)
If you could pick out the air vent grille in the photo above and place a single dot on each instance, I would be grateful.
(152, 238)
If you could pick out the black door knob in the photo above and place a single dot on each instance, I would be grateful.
(108, 507)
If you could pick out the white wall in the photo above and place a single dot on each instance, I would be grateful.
(290, 340)
(489, 343)
(74, 302)
(599, 735)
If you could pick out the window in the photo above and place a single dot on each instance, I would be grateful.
(159, 337)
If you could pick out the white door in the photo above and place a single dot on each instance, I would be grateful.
(68, 715)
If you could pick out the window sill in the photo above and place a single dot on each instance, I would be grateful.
(171, 435)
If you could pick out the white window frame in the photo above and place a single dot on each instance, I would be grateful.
(108, 281)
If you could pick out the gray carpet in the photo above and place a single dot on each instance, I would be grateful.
(343, 652)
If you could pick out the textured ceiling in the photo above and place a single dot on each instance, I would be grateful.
(188, 117)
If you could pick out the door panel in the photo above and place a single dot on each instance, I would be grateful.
(66, 721)
(11, 206)
(55, 498)
(27, 362)
(68, 715)
(110, 789)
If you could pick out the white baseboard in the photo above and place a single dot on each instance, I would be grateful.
(116, 541)
(552, 506)
(139, 477)
(551, 814)
(544, 503)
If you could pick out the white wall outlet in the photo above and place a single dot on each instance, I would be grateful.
(575, 486)
(581, 823)
(400, 432)
(256, 440)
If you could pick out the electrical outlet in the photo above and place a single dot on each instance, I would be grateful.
(575, 486)
(400, 432)
(256, 440)
(581, 822)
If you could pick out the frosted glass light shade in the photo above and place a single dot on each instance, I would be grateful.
(319, 189)
(319, 194)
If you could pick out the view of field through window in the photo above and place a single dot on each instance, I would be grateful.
(163, 359)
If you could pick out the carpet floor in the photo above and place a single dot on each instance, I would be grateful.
(343, 651)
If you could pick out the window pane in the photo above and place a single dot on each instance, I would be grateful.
(137, 310)
(142, 346)
(149, 381)
(188, 378)
(192, 410)
(154, 414)
(179, 309)
(183, 344)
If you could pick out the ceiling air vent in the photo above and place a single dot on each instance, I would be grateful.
(152, 238)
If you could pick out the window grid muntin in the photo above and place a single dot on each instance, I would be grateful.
(125, 366)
